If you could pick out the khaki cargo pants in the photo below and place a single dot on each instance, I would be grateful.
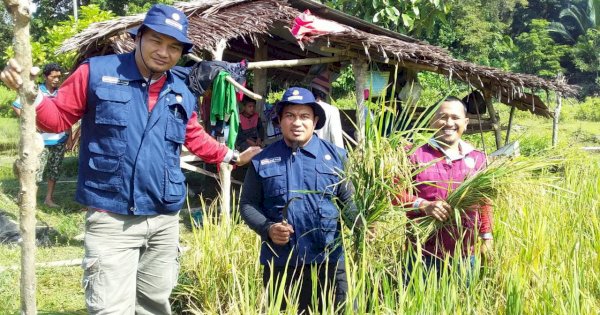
(131, 263)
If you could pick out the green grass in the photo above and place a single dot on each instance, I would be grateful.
(11, 135)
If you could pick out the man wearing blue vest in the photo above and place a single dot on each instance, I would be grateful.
(135, 116)
(288, 198)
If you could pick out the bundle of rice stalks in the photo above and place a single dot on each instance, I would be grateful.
(486, 185)
(379, 167)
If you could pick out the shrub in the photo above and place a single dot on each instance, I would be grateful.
(589, 110)
(7, 96)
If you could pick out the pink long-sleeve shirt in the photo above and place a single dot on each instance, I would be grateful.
(444, 173)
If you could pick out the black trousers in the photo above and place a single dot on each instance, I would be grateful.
(331, 278)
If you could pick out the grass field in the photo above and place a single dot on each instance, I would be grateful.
(547, 249)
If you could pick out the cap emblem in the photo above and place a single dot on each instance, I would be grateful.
(175, 16)
(174, 23)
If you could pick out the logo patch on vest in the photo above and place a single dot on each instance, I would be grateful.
(113, 80)
(327, 157)
(179, 98)
(109, 79)
(271, 160)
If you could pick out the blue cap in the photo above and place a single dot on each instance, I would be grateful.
(168, 21)
(302, 96)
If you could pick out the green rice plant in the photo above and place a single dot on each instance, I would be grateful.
(485, 186)
(379, 167)
(547, 244)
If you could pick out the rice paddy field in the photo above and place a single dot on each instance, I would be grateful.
(546, 258)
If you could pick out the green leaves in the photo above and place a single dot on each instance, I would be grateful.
(412, 17)
(44, 49)
(538, 53)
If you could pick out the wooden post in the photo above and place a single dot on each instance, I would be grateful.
(225, 168)
(556, 118)
(30, 148)
(495, 124)
(360, 67)
(510, 122)
(260, 77)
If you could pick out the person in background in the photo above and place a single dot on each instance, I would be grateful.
(447, 162)
(54, 143)
(289, 199)
(251, 129)
(332, 131)
(136, 114)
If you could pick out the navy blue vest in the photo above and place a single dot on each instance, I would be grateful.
(312, 174)
(129, 157)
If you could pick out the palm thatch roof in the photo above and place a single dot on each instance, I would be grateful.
(214, 20)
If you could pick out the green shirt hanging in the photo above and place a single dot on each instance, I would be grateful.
(223, 106)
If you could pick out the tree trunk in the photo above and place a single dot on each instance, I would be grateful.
(30, 148)
(560, 79)
(556, 119)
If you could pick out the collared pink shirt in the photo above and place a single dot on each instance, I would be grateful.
(442, 174)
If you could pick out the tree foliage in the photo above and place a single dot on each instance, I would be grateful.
(576, 20)
(6, 27)
(44, 48)
(414, 17)
(538, 53)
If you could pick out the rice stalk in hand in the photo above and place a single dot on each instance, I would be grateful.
(485, 186)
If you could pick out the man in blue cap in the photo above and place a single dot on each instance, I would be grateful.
(288, 199)
(135, 116)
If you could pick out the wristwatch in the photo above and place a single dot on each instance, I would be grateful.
(235, 158)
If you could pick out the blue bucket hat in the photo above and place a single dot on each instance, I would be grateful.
(168, 21)
(301, 96)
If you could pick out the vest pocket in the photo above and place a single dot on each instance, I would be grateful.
(328, 221)
(105, 162)
(274, 183)
(113, 107)
(174, 186)
(327, 179)
(175, 129)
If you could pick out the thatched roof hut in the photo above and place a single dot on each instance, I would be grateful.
(259, 30)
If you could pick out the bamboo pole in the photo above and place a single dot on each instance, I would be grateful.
(30, 148)
(360, 66)
(510, 122)
(293, 62)
(224, 169)
(495, 124)
(229, 79)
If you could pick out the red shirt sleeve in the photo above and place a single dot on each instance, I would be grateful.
(57, 114)
(202, 144)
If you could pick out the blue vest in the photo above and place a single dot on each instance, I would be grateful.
(313, 174)
(129, 157)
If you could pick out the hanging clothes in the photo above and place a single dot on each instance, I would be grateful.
(223, 106)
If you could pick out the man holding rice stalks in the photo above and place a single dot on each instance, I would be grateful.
(445, 162)
(288, 198)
